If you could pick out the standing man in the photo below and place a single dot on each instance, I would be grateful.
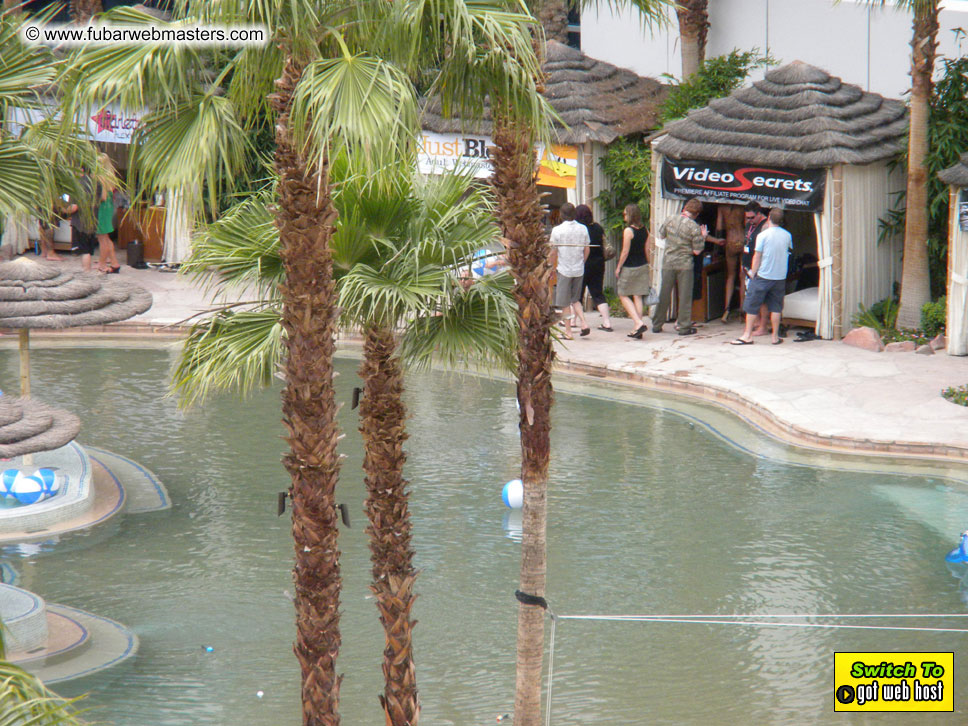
(767, 277)
(82, 222)
(755, 221)
(685, 239)
(569, 250)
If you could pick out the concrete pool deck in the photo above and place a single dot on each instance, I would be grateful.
(821, 394)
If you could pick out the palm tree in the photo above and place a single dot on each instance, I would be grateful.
(399, 244)
(915, 280)
(693, 26)
(520, 215)
(24, 699)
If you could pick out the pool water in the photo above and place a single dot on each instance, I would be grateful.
(655, 506)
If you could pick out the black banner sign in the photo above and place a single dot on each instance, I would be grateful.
(799, 190)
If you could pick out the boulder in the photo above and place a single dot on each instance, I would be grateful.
(925, 349)
(938, 342)
(901, 346)
(866, 338)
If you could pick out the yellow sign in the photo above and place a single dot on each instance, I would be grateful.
(558, 166)
(894, 682)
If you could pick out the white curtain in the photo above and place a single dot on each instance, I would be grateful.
(870, 267)
(16, 233)
(956, 329)
(823, 222)
(178, 228)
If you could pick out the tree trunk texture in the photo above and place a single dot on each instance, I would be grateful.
(553, 16)
(915, 280)
(83, 10)
(693, 29)
(520, 213)
(306, 218)
(383, 425)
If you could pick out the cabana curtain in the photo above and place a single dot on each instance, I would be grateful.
(825, 306)
(956, 329)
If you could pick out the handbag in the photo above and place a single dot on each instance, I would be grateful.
(608, 251)
(652, 298)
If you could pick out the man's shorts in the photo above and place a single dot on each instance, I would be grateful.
(762, 291)
(82, 242)
(567, 291)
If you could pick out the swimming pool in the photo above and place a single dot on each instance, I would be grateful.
(655, 506)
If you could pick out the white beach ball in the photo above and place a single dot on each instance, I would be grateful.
(49, 480)
(7, 478)
(513, 494)
(28, 489)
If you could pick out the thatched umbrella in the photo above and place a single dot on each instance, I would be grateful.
(957, 175)
(35, 295)
(27, 426)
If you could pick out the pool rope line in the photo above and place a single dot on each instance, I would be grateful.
(769, 621)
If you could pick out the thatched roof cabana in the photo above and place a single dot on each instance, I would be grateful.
(798, 116)
(27, 426)
(957, 175)
(956, 324)
(598, 101)
(805, 141)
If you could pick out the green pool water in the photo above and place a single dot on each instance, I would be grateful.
(655, 506)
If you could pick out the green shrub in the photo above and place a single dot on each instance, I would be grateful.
(615, 308)
(882, 316)
(934, 317)
(957, 395)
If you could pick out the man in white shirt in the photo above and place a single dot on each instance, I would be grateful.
(569, 250)
(767, 277)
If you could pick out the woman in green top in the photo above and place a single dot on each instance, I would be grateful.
(108, 261)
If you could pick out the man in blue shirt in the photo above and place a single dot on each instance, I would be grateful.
(767, 273)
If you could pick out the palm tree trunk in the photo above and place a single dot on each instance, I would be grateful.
(382, 423)
(83, 10)
(693, 28)
(915, 280)
(306, 218)
(519, 212)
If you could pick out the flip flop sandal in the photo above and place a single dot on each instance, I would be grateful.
(740, 341)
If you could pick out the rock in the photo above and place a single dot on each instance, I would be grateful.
(925, 349)
(938, 342)
(866, 338)
(901, 346)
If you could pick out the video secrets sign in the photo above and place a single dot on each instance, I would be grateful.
(799, 190)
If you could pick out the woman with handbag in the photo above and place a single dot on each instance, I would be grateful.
(632, 269)
(594, 276)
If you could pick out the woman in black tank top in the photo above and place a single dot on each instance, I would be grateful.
(632, 269)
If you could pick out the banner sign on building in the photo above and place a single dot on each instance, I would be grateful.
(963, 210)
(439, 153)
(110, 123)
(799, 190)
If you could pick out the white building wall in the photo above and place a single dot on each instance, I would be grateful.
(864, 45)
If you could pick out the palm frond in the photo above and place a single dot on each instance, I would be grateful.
(197, 144)
(355, 104)
(478, 323)
(240, 249)
(24, 69)
(26, 701)
(24, 179)
(231, 351)
(383, 296)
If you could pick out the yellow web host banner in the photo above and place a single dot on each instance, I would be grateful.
(893, 682)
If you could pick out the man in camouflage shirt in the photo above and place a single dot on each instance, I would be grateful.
(684, 240)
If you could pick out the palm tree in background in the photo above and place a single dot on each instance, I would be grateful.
(915, 280)
(520, 215)
(693, 18)
(400, 244)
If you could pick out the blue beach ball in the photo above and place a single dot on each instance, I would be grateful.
(7, 478)
(28, 489)
(513, 494)
(959, 553)
(48, 479)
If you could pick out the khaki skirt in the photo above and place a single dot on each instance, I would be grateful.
(634, 281)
